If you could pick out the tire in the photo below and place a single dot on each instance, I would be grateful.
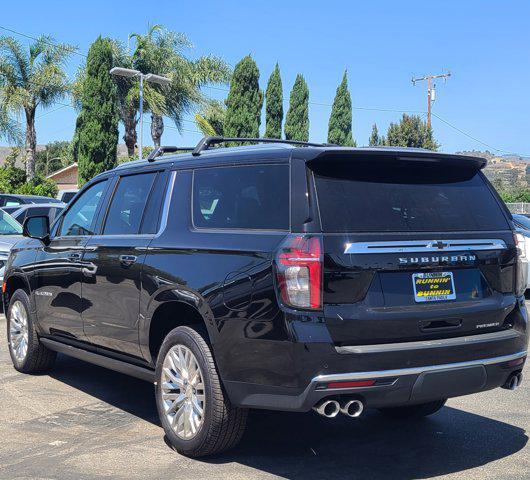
(414, 411)
(221, 426)
(27, 353)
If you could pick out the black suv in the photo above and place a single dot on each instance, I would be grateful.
(281, 277)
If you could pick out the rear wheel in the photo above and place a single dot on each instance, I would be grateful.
(197, 417)
(27, 353)
(414, 411)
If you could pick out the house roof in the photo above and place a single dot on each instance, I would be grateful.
(63, 170)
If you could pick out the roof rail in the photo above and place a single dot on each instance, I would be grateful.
(166, 149)
(207, 142)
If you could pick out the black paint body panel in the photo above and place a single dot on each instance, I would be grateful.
(267, 354)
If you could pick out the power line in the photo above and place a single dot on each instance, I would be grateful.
(52, 44)
(428, 113)
(476, 139)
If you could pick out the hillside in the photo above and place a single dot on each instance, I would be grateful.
(509, 170)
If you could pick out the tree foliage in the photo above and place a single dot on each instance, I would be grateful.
(297, 118)
(411, 131)
(274, 105)
(55, 156)
(31, 77)
(14, 180)
(161, 52)
(244, 102)
(211, 119)
(375, 140)
(96, 136)
(340, 120)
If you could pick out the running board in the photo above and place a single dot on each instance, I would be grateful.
(101, 360)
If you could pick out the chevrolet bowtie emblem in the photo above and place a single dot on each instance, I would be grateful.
(439, 245)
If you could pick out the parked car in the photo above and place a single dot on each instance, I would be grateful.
(10, 234)
(278, 277)
(11, 199)
(66, 195)
(21, 212)
(522, 223)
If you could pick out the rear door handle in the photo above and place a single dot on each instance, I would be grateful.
(128, 260)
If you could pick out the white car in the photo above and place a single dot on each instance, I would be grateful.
(522, 222)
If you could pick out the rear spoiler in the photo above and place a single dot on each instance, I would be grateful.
(396, 155)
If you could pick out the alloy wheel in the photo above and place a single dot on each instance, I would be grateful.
(182, 392)
(18, 331)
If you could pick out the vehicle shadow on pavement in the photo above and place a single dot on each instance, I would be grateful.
(129, 394)
(306, 446)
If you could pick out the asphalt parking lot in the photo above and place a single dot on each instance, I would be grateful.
(85, 422)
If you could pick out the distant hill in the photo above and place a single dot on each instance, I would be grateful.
(509, 170)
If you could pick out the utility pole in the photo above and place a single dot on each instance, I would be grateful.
(430, 90)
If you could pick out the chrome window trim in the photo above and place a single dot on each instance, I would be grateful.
(410, 246)
(167, 202)
(341, 377)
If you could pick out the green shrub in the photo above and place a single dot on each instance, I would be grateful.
(13, 180)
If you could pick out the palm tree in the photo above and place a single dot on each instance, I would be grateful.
(9, 128)
(30, 78)
(161, 52)
(210, 120)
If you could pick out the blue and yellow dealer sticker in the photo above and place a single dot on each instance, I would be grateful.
(433, 286)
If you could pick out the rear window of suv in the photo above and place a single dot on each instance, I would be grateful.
(243, 197)
(399, 197)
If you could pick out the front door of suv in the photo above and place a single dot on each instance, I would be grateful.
(59, 264)
(111, 290)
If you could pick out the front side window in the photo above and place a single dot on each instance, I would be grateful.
(80, 219)
(247, 197)
(128, 204)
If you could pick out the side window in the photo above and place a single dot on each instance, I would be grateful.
(248, 197)
(79, 219)
(128, 204)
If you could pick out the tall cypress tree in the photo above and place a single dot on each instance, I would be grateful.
(274, 105)
(244, 102)
(96, 135)
(375, 139)
(297, 119)
(340, 120)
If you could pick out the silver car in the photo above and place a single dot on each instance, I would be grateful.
(10, 234)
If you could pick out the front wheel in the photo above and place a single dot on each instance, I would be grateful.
(195, 413)
(28, 354)
(414, 411)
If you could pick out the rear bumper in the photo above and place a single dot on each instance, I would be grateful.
(391, 388)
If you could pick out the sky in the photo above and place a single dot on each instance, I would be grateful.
(485, 45)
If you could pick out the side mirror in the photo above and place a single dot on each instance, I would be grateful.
(37, 227)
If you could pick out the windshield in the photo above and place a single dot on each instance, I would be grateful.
(8, 225)
(417, 197)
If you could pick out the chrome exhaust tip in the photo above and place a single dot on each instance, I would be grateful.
(352, 408)
(514, 381)
(327, 408)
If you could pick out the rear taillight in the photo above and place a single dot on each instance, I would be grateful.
(299, 271)
(521, 278)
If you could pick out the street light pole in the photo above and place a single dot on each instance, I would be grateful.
(149, 77)
(140, 152)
